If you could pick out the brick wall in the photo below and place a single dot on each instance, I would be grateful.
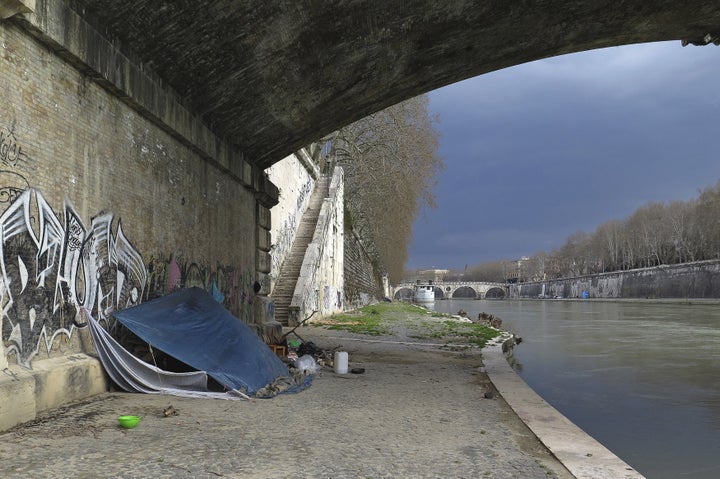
(115, 210)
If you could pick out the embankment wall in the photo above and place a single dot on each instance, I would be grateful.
(689, 280)
(362, 285)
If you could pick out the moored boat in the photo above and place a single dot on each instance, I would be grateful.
(424, 292)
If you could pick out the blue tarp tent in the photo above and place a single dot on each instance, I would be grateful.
(193, 328)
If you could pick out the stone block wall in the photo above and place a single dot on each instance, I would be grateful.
(690, 280)
(102, 208)
(362, 284)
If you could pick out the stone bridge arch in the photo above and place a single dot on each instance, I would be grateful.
(457, 290)
(465, 292)
(271, 77)
(403, 294)
(496, 293)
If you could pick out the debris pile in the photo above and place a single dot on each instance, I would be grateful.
(489, 320)
(307, 356)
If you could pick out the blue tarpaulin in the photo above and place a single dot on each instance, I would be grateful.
(192, 327)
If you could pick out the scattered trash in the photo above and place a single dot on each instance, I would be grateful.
(309, 348)
(307, 363)
(341, 362)
(129, 422)
(308, 358)
(170, 411)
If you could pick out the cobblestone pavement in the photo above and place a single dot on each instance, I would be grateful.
(417, 412)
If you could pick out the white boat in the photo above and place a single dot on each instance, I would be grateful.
(424, 292)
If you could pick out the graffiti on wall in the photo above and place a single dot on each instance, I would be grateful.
(52, 269)
(11, 154)
(286, 235)
(53, 266)
(228, 285)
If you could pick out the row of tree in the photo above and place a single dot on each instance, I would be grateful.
(391, 164)
(656, 234)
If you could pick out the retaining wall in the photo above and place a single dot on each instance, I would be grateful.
(689, 280)
(362, 285)
(295, 177)
(320, 284)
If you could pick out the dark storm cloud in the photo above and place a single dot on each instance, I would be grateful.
(537, 152)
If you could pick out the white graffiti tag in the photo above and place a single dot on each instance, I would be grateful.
(50, 271)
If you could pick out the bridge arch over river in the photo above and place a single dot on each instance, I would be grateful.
(271, 77)
(456, 290)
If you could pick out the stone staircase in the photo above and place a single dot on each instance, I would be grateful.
(290, 270)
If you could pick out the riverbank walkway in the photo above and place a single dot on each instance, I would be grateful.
(418, 411)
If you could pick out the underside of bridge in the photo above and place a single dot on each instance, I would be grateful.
(268, 77)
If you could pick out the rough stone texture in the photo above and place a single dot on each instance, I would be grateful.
(8, 8)
(273, 76)
(52, 383)
(692, 280)
(362, 284)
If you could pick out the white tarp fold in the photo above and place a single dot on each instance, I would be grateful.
(134, 375)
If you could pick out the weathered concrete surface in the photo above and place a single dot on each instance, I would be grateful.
(584, 457)
(271, 77)
(8, 8)
(50, 384)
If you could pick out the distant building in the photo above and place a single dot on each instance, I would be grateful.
(434, 275)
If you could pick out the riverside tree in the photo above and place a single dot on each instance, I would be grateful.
(391, 163)
(655, 234)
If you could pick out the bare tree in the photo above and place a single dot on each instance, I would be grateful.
(391, 164)
(707, 227)
(654, 234)
(681, 223)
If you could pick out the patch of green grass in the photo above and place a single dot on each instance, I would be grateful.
(412, 321)
(456, 331)
(371, 319)
(358, 323)
(473, 333)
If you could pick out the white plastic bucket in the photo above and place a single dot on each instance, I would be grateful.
(341, 362)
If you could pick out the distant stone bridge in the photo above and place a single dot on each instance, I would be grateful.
(456, 290)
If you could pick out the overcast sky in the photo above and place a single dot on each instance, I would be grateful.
(539, 151)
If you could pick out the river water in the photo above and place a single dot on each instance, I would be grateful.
(642, 378)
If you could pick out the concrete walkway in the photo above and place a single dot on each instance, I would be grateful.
(417, 412)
